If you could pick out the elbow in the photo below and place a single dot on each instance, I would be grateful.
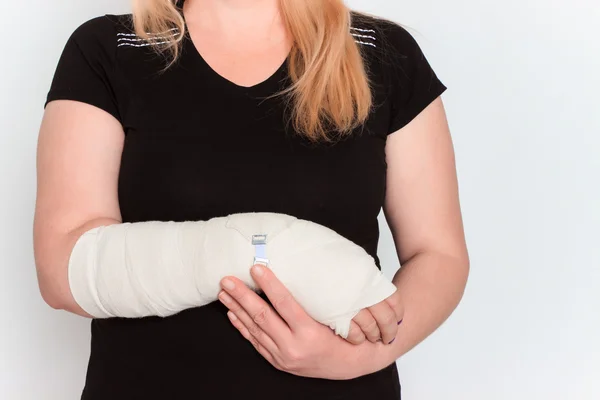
(52, 297)
(457, 267)
(55, 302)
(52, 290)
(57, 294)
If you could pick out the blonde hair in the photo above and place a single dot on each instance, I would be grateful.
(330, 94)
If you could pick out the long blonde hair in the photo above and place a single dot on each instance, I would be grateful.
(330, 93)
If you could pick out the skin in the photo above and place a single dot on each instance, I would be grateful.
(246, 42)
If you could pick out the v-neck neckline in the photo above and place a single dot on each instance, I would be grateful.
(269, 85)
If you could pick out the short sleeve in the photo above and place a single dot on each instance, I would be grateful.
(85, 70)
(412, 83)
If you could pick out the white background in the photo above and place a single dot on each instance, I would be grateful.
(523, 78)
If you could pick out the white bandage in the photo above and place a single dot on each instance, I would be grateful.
(162, 268)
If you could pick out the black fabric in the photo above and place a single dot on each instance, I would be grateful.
(197, 146)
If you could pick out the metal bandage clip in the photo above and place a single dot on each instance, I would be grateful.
(260, 246)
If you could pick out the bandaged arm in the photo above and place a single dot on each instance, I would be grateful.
(161, 268)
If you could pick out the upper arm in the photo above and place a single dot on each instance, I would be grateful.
(78, 159)
(422, 203)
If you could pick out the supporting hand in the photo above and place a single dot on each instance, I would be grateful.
(290, 339)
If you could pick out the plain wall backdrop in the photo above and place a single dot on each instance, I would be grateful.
(523, 78)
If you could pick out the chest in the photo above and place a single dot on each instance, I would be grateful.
(198, 147)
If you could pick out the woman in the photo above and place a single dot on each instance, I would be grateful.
(199, 109)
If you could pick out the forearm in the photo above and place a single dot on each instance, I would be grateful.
(430, 286)
(143, 269)
(104, 268)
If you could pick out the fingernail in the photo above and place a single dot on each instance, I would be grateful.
(399, 322)
(392, 341)
(258, 270)
(225, 298)
(227, 284)
(231, 316)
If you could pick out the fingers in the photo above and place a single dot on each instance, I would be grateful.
(281, 298)
(246, 325)
(355, 335)
(394, 302)
(258, 345)
(368, 325)
(254, 312)
(386, 319)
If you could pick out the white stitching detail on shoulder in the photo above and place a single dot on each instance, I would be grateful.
(127, 39)
(363, 36)
(139, 45)
(365, 43)
(132, 40)
(362, 30)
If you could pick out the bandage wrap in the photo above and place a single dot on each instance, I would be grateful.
(162, 268)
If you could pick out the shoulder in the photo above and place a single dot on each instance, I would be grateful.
(393, 52)
(397, 67)
(102, 31)
(384, 39)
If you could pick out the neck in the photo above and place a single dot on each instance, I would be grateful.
(234, 15)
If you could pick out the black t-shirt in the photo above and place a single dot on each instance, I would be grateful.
(198, 146)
